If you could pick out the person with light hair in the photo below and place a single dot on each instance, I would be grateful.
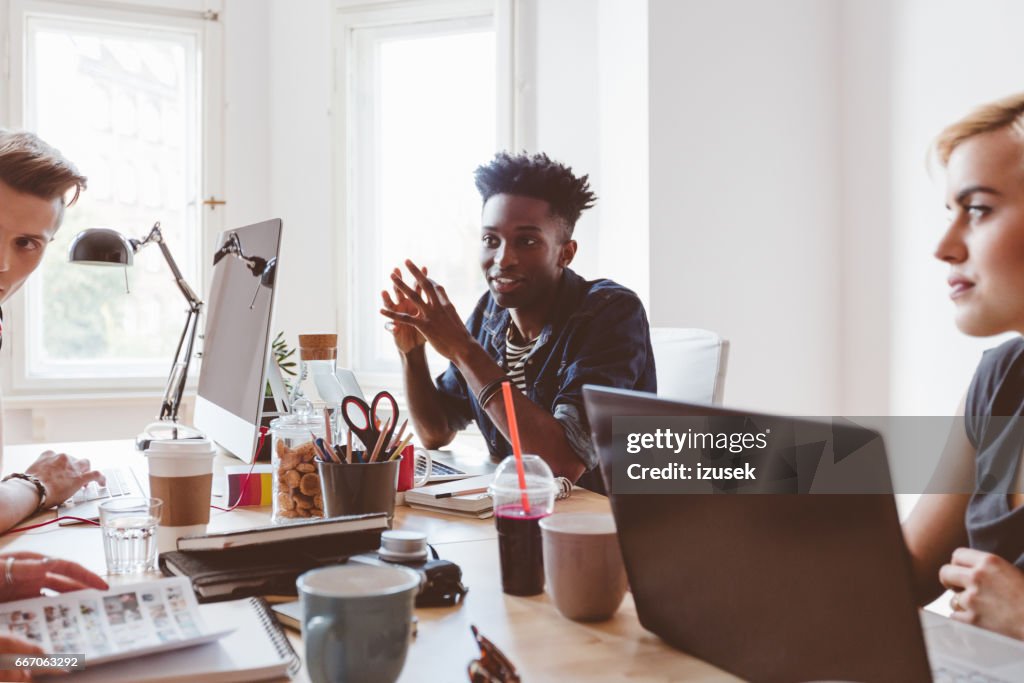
(36, 184)
(973, 543)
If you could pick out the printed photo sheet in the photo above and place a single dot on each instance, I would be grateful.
(140, 616)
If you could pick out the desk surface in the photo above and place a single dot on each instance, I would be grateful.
(542, 644)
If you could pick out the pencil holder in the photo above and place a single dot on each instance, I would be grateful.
(356, 489)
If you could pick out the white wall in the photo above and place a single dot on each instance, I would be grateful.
(745, 190)
(247, 59)
(624, 144)
(865, 228)
(949, 56)
(563, 38)
(301, 177)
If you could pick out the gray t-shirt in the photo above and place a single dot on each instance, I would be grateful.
(995, 404)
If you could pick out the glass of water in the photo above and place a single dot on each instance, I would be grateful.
(129, 533)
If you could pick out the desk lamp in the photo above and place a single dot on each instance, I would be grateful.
(106, 247)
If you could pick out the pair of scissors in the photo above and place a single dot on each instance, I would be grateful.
(365, 423)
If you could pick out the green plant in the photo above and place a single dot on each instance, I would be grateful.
(282, 354)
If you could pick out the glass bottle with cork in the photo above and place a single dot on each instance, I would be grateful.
(318, 384)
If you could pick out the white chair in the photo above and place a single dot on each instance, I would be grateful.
(691, 364)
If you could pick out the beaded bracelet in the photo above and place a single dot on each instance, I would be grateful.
(34, 480)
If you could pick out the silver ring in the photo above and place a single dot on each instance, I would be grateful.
(954, 603)
(8, 571)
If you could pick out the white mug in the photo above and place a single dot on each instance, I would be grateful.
(424, 454)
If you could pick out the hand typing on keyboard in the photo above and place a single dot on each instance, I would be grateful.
(63, 475)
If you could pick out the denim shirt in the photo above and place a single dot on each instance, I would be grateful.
(597, 334)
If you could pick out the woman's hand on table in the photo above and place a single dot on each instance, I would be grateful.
(989, 591)
(25, 574)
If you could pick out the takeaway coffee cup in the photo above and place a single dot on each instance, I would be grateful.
(181, 475)
(583, 565)
(357, 621)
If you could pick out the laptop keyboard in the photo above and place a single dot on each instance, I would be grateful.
(119, 483)
(439, 469)
(947, 674)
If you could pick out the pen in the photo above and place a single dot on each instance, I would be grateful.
(325, 453)
(466, 492)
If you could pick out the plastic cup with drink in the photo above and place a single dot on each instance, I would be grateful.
(517, 514)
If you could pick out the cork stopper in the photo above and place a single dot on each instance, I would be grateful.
(318, 346)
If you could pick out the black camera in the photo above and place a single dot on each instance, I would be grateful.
(442, 580)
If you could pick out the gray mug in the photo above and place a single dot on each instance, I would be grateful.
(583, 565)
(357, 621)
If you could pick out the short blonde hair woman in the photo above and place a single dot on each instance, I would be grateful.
(974, 544)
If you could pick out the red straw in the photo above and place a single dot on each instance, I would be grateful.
(517, 449)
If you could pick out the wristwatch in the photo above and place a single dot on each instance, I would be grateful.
(34, 480)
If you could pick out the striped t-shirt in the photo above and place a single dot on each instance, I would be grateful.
(515, 360)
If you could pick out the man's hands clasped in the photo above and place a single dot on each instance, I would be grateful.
(424, 313)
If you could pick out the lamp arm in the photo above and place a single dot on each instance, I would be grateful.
(155, 235)
(183, 356)
(193, 299)
(179, 370)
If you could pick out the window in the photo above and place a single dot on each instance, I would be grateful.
(423, 112)
(123, 95)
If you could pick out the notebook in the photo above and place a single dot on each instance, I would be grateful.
(257, 650)
(285, 532)
(447, 497)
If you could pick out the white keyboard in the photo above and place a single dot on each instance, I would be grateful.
(953, 674)
(437, 469)
(117, 485)
(85, 503)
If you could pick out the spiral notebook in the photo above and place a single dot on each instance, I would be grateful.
(257, 650)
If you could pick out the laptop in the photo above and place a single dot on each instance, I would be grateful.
(784, 587)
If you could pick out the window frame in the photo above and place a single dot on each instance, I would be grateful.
(200, 17)
(349, 18)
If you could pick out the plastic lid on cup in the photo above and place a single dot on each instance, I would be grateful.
(182, 448)
(539, 478)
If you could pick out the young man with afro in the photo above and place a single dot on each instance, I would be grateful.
(539, 324)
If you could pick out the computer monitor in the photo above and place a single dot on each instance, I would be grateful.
(236, 346)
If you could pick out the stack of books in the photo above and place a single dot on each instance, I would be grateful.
(267, 560)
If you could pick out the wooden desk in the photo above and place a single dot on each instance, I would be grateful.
(540, 642)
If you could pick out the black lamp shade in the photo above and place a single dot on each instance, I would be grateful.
(101, 247)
